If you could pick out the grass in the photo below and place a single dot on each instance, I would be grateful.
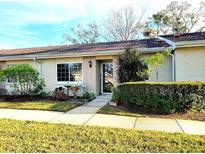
(33, 137)
(39, 105)
(121, 110)
(118, 111)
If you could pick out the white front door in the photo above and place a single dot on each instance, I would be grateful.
(106, 77)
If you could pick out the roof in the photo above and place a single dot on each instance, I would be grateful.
(186, 37)
(144, 43)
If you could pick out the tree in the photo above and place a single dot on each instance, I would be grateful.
(24, 79)
(157, 60)
(178, 17)
(131, 66)
(83, 34)
(123, 24)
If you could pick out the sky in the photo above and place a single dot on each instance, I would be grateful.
(35, 23)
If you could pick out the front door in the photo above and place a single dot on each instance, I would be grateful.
(107, 77)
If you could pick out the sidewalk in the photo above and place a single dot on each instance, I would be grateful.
(93, 106)
(157, 124)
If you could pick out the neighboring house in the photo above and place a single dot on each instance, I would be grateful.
(95, 64)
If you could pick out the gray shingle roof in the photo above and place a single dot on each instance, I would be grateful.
(144, 43)
(186, 37)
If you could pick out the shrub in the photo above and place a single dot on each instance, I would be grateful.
(131, 66)
(3, 92)
(92, 95)
(166, 97)
(88, 95)
(39, 87)
(115, 95)
(25, 79)
(59, 94)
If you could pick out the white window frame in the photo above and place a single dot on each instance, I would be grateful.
(64, 82)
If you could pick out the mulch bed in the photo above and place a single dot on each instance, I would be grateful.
(37, 98)
(25, 98)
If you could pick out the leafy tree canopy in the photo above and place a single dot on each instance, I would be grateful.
(178, 17)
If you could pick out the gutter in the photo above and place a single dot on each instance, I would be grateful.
(173, 44)
(41, 70)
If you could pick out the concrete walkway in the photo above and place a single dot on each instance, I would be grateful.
(93, 106)
(157, 124)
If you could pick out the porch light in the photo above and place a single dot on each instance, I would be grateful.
(90, 63)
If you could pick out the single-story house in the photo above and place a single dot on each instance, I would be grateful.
(95, 64)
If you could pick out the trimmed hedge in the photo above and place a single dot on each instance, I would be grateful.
(165, 97)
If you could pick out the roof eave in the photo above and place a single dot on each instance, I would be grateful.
(81, 54)
(195, 43)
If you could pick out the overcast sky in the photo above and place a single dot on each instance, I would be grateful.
(31, 23)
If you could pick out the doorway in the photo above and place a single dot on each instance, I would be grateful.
(106, 77)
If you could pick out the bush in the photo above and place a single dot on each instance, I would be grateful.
(131, 66)
(115, 95)
(39, 87)
(24, 79)
(88, 95)
(59, 94)
(3, 92)
(165, 97)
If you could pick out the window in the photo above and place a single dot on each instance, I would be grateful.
(69, 72)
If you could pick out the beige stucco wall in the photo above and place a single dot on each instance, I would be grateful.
(190, 63)
(49, 70)
(91, 75)
(49, 67)
(98, 77)
(115, 65)
(164, 70)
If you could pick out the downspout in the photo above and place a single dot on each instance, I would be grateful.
(41, 70)
(172, 55)
(173, 65)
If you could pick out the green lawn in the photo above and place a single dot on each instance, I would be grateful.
(117, 111)
(190, 115)
(39, 105)
(25, 136)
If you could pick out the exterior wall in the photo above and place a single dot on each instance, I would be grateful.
(190, 64)
(49, 68)
(89, 73)
(165, 70)
(115, 77)
(98, 77)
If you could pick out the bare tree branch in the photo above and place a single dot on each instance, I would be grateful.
(83, 34)
(123, 24)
